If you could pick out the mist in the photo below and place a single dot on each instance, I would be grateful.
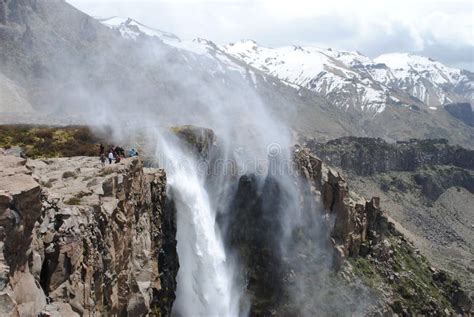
(343, 25)
(138, 90)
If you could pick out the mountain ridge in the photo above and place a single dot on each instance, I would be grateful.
(70, 64)
(367, 85)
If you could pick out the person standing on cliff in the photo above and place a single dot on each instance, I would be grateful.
(111, 156)
(103, 159)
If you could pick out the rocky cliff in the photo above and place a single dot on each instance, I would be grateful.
(379, 254)
(78, 239)
(344, 249)
(426, 187)
(367, 156)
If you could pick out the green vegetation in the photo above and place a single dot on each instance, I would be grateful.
(416, 286)
(45, 142)
(188, 133)
(407, 277)
(363, 267)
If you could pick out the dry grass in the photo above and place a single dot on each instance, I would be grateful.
(44, 142)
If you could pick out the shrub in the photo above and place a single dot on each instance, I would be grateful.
(73, 201)
(40, 141)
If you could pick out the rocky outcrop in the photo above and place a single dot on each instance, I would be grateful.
(363, 235)
(461, 111)
(20, 208)
(354, 217)
(78, 239)
(368, 156)
(427, 187)
(309, 166)
(435, 181)
(282, 237)
(164, 219)
(199, 140)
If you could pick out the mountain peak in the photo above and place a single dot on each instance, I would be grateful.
(244, 45)
(388, 79)
(130, 28)
(409, 60)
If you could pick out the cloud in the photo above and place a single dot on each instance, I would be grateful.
(371, 27)
(459, 56)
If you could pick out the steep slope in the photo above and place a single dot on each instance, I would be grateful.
(430, 81)
(74, 69)
(318, 70)
(86, 239)
(349, 96)
(13, 97)
(352, 80)
(427, 187)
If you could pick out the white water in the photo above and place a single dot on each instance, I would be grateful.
(205, 280)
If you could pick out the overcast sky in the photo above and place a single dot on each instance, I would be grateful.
(442, 30)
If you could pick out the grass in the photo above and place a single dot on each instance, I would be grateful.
(47, 142)
(363, 267)
(415, 288)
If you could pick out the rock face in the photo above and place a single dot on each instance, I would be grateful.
(344, 248)
(198, 140)
(354, 220)
(461, 111)
(78, 239)
(357, 155)
(426, 186)
(362, 234)
(288, 264)
(20, 207)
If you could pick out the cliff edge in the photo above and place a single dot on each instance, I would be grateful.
(79, 239)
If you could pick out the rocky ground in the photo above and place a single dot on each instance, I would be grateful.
(79, 239)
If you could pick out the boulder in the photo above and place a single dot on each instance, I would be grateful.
(198, 140)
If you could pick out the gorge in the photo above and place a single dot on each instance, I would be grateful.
(260, 189)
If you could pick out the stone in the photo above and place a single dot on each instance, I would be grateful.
(198, 140)
(29, 298)
(97, 254)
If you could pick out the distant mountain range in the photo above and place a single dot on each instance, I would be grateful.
(349, 80)
(59, 65)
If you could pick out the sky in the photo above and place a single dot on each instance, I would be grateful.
(443, 30)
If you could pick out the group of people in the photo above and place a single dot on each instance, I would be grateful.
(115, 153)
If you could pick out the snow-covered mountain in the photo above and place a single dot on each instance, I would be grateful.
(318, 93)
(324, 71)
(348, 80)
(207, 50)
(352, 80)
(424, 78)
(132, 29)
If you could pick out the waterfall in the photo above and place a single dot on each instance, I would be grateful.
(205, 278)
